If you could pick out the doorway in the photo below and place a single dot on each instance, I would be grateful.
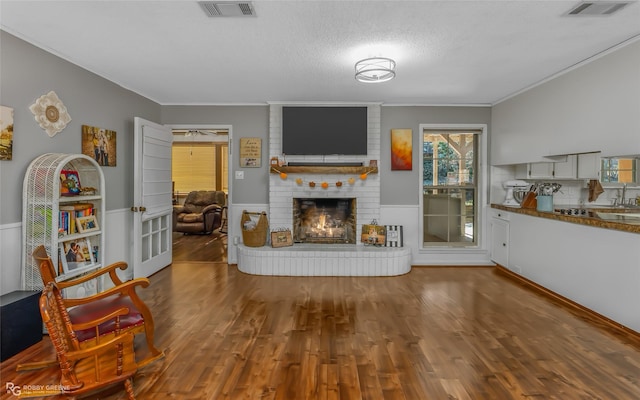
(201, 161)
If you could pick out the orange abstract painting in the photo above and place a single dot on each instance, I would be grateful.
(401, 149)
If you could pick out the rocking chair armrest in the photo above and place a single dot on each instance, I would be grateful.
(93, 323)
(125, 338)
(95, 274)
(127, 288)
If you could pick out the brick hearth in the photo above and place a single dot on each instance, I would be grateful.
(324, 260)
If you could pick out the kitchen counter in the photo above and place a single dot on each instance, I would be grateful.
(597, 269)
(600, 217)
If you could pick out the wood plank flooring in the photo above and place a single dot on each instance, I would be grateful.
(435, 333)
(207, 248)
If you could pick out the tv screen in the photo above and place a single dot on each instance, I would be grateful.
(324, 130)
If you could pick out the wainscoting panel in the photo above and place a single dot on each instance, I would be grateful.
(10, 257)
(118, 242)
(407, 216)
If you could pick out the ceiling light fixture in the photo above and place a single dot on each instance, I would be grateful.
(375, 70)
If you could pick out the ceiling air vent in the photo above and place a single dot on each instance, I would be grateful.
(596, 8)
(228, 8)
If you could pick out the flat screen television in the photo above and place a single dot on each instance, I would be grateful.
(324, 130)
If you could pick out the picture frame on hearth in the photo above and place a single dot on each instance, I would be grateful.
(394, 236)
(373, 234)
(281, 238)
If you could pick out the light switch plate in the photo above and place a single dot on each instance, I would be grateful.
(239, 174)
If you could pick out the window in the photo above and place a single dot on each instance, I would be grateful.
(621, 170)
(199, 166)
(450, 188)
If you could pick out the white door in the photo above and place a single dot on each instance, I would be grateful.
(152, 209)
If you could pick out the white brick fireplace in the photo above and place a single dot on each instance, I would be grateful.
(316, 259)
(366, 192)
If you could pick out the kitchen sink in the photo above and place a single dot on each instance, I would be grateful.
(627, 218)
(628, 214)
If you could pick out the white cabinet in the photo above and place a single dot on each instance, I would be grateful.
(54, 219)
(589, 166)
(540, 170)
(500, 237)
(575, 261)
(564, 169)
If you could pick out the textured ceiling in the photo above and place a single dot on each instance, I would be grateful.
(447, 52)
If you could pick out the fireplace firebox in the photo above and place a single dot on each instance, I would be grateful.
(324, 220)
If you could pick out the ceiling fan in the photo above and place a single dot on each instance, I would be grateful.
(202, 132)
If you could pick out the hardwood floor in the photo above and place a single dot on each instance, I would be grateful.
(207, 248)
(435, 333)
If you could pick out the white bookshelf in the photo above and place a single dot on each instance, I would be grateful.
(41, 222)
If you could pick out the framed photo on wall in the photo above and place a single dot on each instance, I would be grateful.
(99, 144)
(6, 133)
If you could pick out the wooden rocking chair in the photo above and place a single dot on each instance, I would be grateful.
(122, 295)
(92, 368)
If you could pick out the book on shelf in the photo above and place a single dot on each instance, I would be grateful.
(68, 214)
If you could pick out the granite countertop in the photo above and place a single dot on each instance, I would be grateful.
(599, 217)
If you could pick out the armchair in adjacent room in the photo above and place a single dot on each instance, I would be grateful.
(201, 212)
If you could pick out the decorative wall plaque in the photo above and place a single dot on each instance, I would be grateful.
(50, 113)
(250, 152)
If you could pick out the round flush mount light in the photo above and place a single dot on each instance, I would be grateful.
(375, 70)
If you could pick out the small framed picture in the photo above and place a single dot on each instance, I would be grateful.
(76, 255)
(69, 183)
(87, 224)
(394, 236)
(373, 234)
(72, 175)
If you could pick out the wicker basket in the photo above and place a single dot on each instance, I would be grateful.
(256, 237)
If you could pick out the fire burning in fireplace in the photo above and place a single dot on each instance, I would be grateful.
(324, 220)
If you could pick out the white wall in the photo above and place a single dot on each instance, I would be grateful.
(591, 108)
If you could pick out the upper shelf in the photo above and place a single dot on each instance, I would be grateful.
(324, 169)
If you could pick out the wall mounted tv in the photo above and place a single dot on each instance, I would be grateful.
(324, 130)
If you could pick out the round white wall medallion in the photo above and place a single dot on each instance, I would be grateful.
(50, 113)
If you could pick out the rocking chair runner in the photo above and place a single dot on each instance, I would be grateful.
(122, 296)
(87, 369)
